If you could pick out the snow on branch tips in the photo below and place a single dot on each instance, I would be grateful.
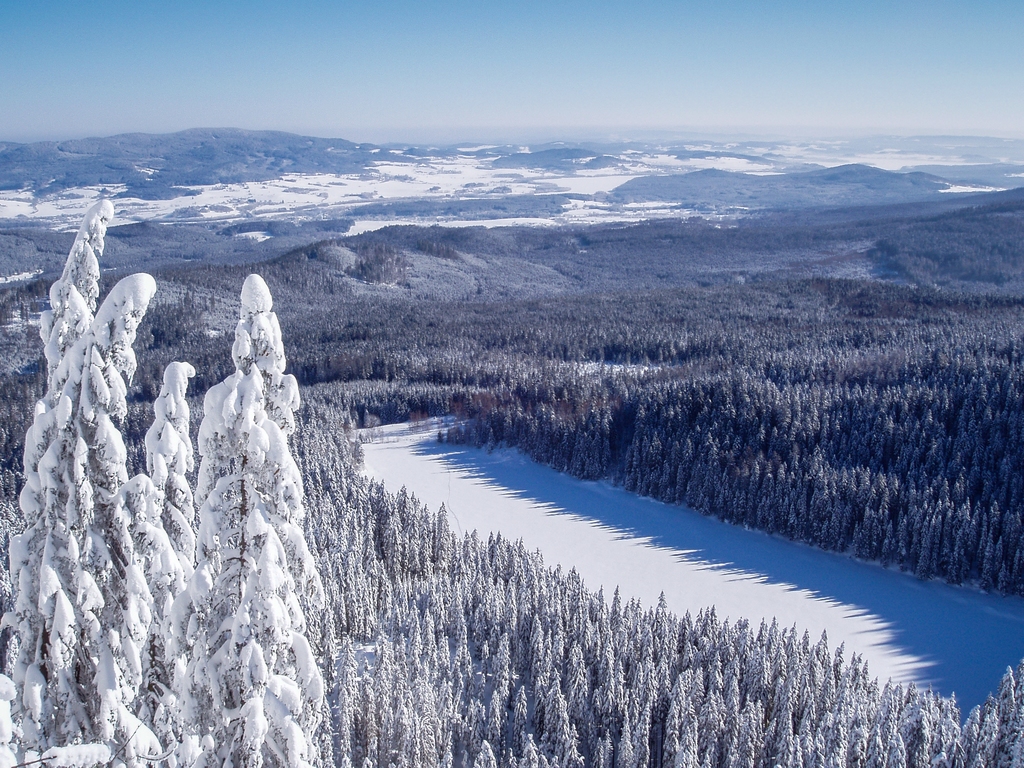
(252, 691)
(82, 606)
(73, 297)
(169, 458)
(161, 509)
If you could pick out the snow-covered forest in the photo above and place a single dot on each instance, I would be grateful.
(273, 607)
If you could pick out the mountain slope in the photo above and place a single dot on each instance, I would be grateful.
(844, 185)
(150, 165)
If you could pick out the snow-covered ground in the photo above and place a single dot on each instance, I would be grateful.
(959, 189)
(900, 154)
(372, 225)
(17, 278)
(316, 196)
(958, 640)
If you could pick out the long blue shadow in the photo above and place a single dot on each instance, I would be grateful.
(967, 637)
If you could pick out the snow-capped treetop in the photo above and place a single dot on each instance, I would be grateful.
(257, 335)
(168, 445)
(258, 342)
(118, 320)
(73, 297)
(256, 296)
(94, 225)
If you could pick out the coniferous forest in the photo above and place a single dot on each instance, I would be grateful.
(268, 605)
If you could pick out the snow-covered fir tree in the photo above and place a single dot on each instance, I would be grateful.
(169, 457)
(252, 692)
(162, 512)
(82, 607)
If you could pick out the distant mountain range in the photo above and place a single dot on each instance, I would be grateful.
(153, 166)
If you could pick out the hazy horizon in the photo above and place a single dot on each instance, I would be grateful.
(432, 72)
(548, 136)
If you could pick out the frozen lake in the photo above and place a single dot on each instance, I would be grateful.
(954, 639)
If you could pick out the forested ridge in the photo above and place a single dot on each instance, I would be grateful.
(876, 419)
(897, 440)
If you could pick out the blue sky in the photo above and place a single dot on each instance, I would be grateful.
(432, 71)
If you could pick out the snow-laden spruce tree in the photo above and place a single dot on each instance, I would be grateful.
(82, 604)
(161, 510)
(169, 459)
(252, 692)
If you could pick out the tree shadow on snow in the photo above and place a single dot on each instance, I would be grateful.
(967, 638)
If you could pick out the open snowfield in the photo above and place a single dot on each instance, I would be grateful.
(315, 196)
(473, 173)
(955, 639)
(895, 154)
(326, 196)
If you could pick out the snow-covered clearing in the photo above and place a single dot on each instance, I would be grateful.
(372, 225)
(959, 189)
(833, 153)
(956, 639)
(573, 212)
(318, 195)
(259, 237)
(17, 278)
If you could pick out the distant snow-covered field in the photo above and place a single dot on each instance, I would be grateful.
(956, 639)
(431, 177)
(316, 196)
